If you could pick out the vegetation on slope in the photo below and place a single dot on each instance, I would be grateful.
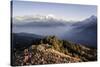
(51, 50)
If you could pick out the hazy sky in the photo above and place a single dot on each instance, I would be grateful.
(65, 11)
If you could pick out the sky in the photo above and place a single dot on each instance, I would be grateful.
(73, 12)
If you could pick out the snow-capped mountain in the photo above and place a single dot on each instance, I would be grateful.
(36, 18)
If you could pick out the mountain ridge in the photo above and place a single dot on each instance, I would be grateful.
(50, 50)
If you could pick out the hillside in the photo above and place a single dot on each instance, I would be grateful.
(51, 50)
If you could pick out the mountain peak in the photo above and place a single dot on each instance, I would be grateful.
(93, 17)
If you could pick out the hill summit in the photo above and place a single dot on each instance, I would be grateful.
(51, 50)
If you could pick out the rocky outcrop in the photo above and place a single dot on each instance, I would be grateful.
(51, 50)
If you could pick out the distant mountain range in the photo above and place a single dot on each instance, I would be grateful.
(35, 18)
(46, 21)
(38, 20)
(84, 31)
